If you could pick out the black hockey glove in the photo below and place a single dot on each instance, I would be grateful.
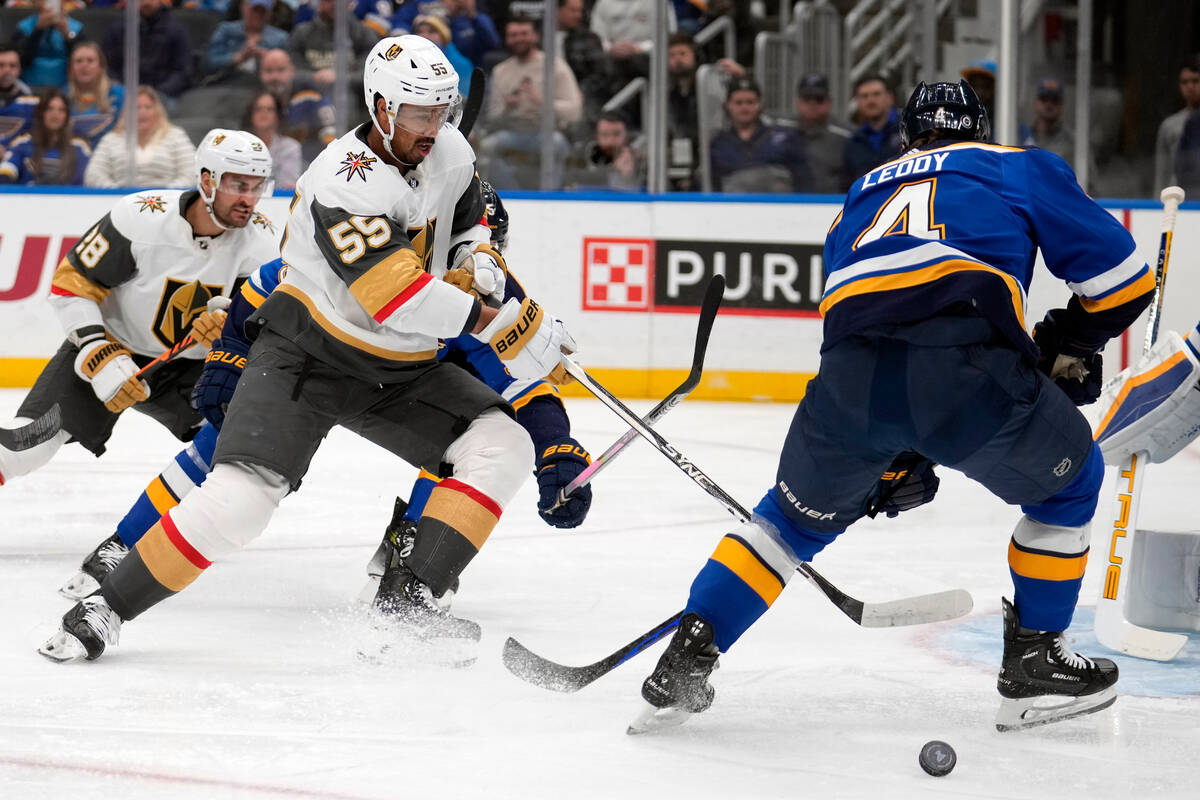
(1074, 369)
(558, 464)
(222, 368)
(909, 482)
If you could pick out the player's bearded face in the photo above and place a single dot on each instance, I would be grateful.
(236, 197)
(416, 129)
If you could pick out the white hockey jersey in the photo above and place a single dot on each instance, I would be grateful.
(150, 275)
(366, 249)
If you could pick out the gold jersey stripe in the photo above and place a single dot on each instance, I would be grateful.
(743, 563)
(379, 286)
(68, 280)
(345, 338)
(1134, 290)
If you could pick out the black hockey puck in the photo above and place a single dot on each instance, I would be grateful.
(937, 758)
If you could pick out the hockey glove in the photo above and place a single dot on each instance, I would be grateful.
(109, 367)
(557, 465)
(908, 482)
(222, 369)
(1077, 371)
(206, 326)
(481, 273)
(526, 339)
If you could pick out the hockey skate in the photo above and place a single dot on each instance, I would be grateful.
(679, 685)
(399, 537)
(1042, 681)
(95, 568)
(429, 632)
(86, 630)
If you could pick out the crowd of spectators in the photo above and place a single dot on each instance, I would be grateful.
(276, 60)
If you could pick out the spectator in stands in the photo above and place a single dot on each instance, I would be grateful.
(311, 46)
(96, 100)
(48, 154)
(824, 141)
(514, 108)
(44, 40)
(584, 53)
(165, 156)
(1187, 156)
(310, 119)
(626, 28)
(164, 50)
(17, 102)
(877, 137)
(689, 15)
(747, 24)
(237, 46)
(981, 74)
(612, 160)
(752, 156)
(1047, 130)
(1171, 129)
(264, 117)
(683, 121)
(472, 31)
(434, 28)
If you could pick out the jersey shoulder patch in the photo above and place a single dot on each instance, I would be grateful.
(149, 217)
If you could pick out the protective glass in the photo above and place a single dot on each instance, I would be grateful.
(427, 120)
(245, 185)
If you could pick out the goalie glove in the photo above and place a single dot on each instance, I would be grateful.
(558, 464)
(1077, 371)
(908, 482)
(206, 326)
(109, 367)
(223, 368)
(526, 339)
(480, 272)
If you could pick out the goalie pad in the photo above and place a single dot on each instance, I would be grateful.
(1153, 406)
(1164, 581)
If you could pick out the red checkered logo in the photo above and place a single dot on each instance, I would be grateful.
(617, 274)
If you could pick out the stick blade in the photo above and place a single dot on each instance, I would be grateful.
(31, 434)
(1119, 634)
(919, 610)
(532, 668)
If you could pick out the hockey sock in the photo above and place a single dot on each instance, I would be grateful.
(187, 471)
(162, 564)
(422, 488)
(457, 521)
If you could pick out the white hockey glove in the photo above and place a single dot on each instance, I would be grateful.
(206, 326)
(1153, 406)
(109, 367)
(528, 341)
(479, 271)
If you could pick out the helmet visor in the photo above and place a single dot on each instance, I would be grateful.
(245, 185)
(427, 120)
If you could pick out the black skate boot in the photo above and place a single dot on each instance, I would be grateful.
(95, 568)
(430, 633)
(86, 630)
(399, 537)
(1042, 681)
(679, 685)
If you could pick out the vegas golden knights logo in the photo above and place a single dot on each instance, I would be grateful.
(180, 304)
(393, 52)
(422, 242)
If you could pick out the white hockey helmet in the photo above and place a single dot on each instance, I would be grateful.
(411, 70)
(231, 152)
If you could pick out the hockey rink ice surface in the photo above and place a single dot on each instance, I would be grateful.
(249, 684)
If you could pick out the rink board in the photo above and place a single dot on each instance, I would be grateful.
(626, 272)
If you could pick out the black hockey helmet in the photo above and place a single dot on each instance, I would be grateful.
(497, 217)
(952, 108)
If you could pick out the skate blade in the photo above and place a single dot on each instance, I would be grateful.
(652, 718)
(63, 648)
(79, 586)
(1016, 715)
(371, 588)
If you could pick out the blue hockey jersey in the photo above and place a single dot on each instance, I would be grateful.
(959, 224)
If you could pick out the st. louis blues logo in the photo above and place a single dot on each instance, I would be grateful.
(151, 203)
(356, 164)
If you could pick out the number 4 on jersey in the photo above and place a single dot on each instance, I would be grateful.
(909, 211)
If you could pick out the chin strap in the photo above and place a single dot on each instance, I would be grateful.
(387, 139)
(208, 206)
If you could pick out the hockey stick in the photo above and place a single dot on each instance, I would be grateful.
(916, 610)
(167, 355)
(474, 103)
(708, 312)
(32, 433)
(1113, 630)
